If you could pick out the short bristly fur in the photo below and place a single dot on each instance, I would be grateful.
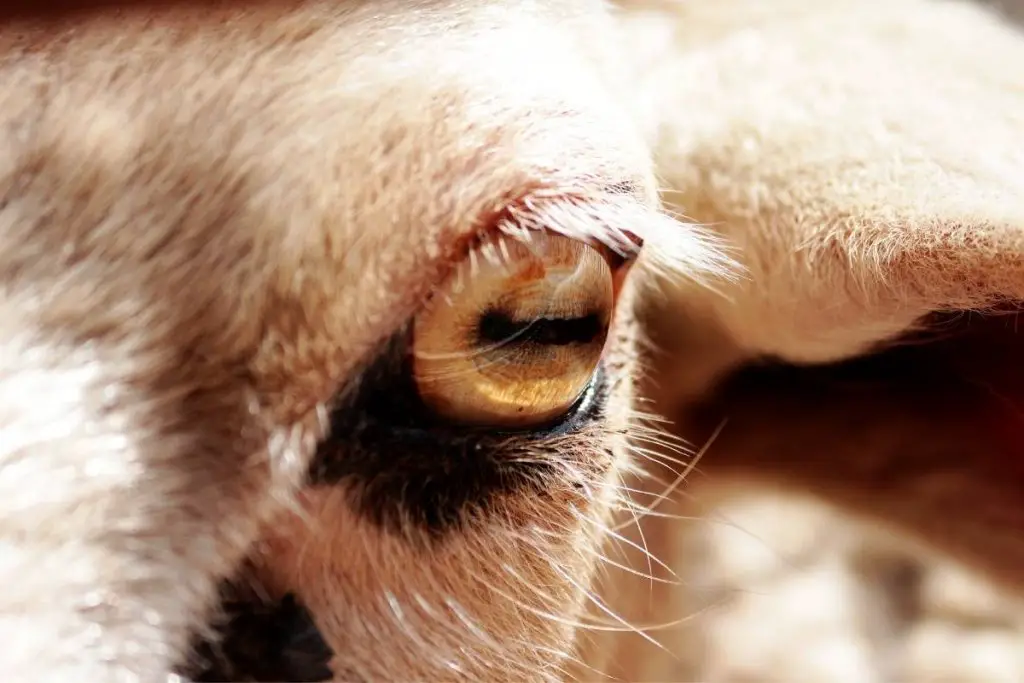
(212, 217)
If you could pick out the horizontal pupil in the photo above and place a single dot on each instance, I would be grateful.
(496, 327)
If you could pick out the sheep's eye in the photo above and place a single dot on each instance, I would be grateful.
(514, 338)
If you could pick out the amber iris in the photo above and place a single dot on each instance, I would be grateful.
(514, 338)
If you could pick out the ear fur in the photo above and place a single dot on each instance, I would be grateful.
(864, 159)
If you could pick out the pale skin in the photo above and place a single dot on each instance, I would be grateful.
(217, 221)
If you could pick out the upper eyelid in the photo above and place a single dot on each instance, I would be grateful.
(596, 217)
(590, 216)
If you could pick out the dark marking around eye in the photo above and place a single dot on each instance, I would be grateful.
(498, 327)
(402, 467)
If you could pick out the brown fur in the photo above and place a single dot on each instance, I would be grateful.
(212, 217)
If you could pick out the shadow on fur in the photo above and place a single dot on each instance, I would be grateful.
(264, 642)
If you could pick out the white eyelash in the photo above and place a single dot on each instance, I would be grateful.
(671, 248)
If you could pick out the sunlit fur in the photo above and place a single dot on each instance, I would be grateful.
(211, 217)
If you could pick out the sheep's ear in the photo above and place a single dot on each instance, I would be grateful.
(866, 160)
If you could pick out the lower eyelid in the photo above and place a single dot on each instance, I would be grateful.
(420, 480)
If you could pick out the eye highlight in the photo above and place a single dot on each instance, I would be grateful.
(516, 343)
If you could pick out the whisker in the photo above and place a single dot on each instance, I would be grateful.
(685, 473)
(607, 610)
(622, 539)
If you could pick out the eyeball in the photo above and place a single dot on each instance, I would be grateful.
(513, 339)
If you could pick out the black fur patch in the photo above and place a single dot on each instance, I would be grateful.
(260, 642)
